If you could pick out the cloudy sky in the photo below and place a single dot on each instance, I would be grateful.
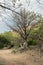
(5, 15)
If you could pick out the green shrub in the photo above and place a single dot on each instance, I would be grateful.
(32, 42)
(3, 42)
(1, 63)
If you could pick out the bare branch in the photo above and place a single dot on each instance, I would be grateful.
(9, 9)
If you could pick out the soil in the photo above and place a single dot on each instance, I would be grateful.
(30, 57)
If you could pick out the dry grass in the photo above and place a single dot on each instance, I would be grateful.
(30, 57)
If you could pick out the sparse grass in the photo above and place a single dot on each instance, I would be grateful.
(1, 63)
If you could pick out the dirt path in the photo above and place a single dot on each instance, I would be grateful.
(25, 58)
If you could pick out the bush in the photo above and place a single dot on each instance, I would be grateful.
(1, 45)
(3, 42)
(32, 42)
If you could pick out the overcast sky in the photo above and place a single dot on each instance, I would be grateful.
(6, 16)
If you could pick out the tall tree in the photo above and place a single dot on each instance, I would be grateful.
(24, 23)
